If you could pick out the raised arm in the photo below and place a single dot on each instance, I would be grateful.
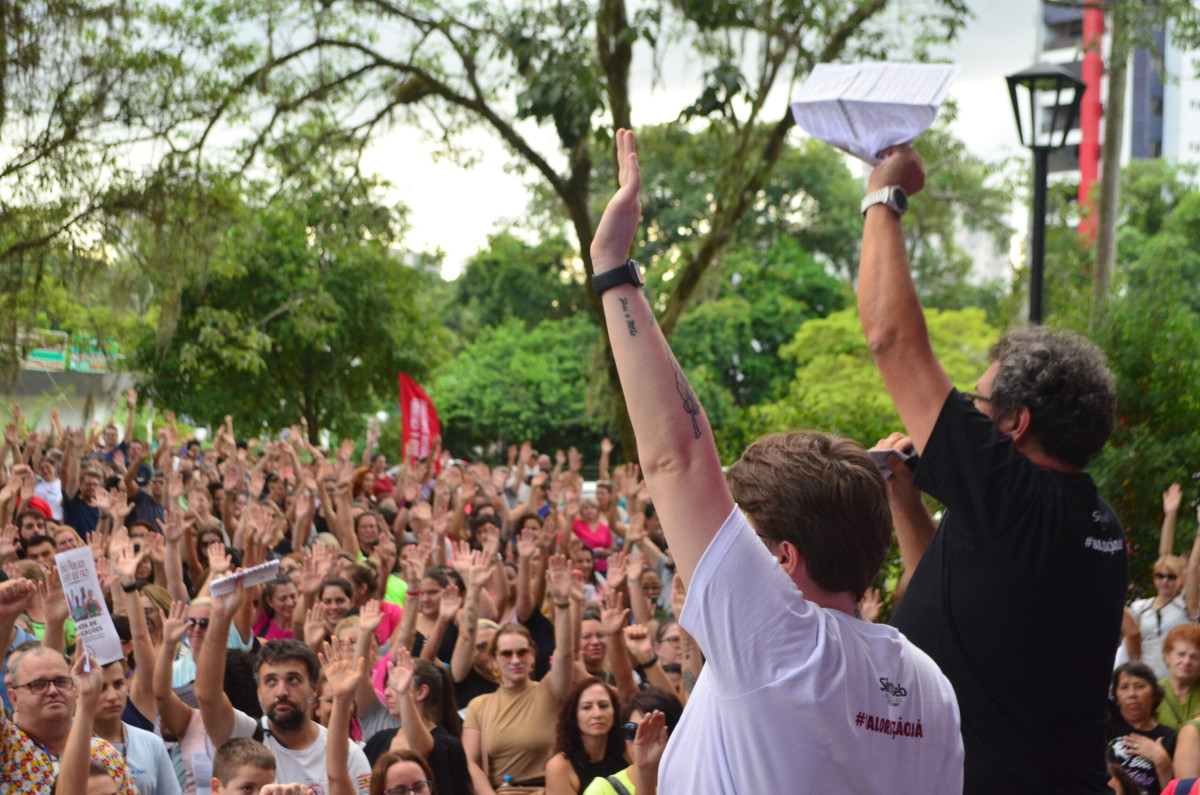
(131, 416)
(400, 674)
(76, 760)
(71, 458)
(141, 687)
(215, 708)
(558, 579)
(176, 715)
(344, 673)
(1191, 590)
(914, 526)
(890, 310)
(675, 442)
(1172, 498)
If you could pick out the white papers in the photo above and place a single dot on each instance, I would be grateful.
(880, 457)
(255, 575)
(865, 108)
(85, 598)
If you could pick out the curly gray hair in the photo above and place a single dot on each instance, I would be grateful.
(1065, 383)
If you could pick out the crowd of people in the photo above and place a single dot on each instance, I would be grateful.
(434, 625)
(443, 627)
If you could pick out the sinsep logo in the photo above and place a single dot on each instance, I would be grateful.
(892, 692)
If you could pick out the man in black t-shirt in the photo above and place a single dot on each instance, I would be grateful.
(1018, 594)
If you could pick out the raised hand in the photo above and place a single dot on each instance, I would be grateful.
(1172, 498)
(370, 617)
(314, 624)
(120, 506)
(637, 641)
(227, 604)
(650, 740)
(606, 446)
(527, 544)
(617, 570)
(342, 671)
(614, 615)
(104, 572)
(131, 398)
(125, 561)
(172, 528)
(481, 569)
(54, 600)
(870, 605)
(16, 596)
(8, 541)
(400, 670)
(312, 574)
(219, 561)
(451, 601)
(558, 578)
(88, 683)
(175, 623)
(155, 548)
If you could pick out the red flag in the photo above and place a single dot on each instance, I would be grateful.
(419, 417)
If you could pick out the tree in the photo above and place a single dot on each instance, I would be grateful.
(82, 86)
(837, 388)
(514, 279)
(566, 65)
(515, 382)
(309, 312)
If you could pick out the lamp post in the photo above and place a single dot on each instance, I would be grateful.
(1044, 128)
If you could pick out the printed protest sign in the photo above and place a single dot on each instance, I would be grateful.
(85, 597)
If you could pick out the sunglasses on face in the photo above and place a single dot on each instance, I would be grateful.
(1163, 575)
(508, 654)
(198, 622)
(629, 731)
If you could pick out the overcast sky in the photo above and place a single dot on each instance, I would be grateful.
(455, 208)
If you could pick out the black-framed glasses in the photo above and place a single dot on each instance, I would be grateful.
(973, 396)
(416, 788)
(629, 731)
(40, 687)
(198, 622)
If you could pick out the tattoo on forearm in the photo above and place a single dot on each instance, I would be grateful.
(690, 404)
(689, 680)
(629, 324)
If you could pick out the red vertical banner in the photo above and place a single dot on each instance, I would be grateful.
(419, 417)
(1091, 111)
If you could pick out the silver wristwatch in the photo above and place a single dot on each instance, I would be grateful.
(893, 197)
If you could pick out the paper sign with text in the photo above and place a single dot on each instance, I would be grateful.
(85, 598)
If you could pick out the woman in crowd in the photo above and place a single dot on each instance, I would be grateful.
(1170, 606)
(480, 678)
(589, 740)
(432, 622)
(420, 696)
(1181, 649)
(589, 527)
(1137, 742)
(277, 621)
(510, 733)
(402, 768)
(666, 711)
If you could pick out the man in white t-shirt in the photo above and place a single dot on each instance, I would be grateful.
(797, 694)
(287, 673)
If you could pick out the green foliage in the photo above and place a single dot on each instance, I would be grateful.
(514, 383)
(837, 388)
(512, 279)
(310, 313)
(738, 334)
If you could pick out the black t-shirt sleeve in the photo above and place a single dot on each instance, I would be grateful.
(977, 472)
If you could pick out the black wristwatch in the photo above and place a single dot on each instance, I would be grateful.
(629, 273)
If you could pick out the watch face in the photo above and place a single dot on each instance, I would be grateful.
(900, 199)
(635, 273)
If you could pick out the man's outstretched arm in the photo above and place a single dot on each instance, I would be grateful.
(890, 310)
(675, 442)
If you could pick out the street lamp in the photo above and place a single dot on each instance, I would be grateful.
(1054, 93)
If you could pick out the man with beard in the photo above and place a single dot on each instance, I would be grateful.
(287, 672)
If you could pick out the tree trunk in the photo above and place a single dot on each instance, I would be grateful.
(1110, 170)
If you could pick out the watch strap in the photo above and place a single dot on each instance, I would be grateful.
(629, 273)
